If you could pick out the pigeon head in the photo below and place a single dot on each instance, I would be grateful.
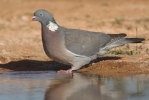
(43, 16)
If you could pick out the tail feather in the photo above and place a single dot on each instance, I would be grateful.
(134, 40)
(118, 40)
(117, 35)
(122, 41)
(127, 40)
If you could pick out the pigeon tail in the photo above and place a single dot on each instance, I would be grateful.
(121, 41)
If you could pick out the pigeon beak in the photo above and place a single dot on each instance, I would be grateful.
(33, 18)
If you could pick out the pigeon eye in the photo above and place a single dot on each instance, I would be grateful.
(41, 14)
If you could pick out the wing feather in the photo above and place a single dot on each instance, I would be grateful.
(84, 42)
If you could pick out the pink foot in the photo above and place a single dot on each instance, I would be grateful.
(65, 71)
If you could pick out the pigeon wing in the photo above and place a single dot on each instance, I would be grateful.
(84, 42)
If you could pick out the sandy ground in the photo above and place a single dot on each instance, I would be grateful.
(20, 40)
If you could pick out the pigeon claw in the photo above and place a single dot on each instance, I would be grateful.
(65, 71)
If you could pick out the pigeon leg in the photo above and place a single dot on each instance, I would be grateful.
(65, 71)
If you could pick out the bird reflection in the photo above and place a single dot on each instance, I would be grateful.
(81, 87)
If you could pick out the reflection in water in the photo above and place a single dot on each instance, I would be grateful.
(28, 85)
(52, 86)
(82, 87)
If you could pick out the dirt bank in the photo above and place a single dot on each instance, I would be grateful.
(20, 40)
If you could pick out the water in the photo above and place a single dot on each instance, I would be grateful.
(42, 85)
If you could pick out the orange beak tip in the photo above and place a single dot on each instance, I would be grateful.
(31, 20)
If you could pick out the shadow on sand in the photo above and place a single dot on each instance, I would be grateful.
(35, 65)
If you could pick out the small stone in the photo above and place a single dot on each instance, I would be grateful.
(25, 18)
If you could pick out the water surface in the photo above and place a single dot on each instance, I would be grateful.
(43, 85)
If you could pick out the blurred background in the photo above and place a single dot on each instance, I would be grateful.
(21, 39)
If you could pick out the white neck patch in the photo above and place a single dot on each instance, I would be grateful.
(52, 26)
